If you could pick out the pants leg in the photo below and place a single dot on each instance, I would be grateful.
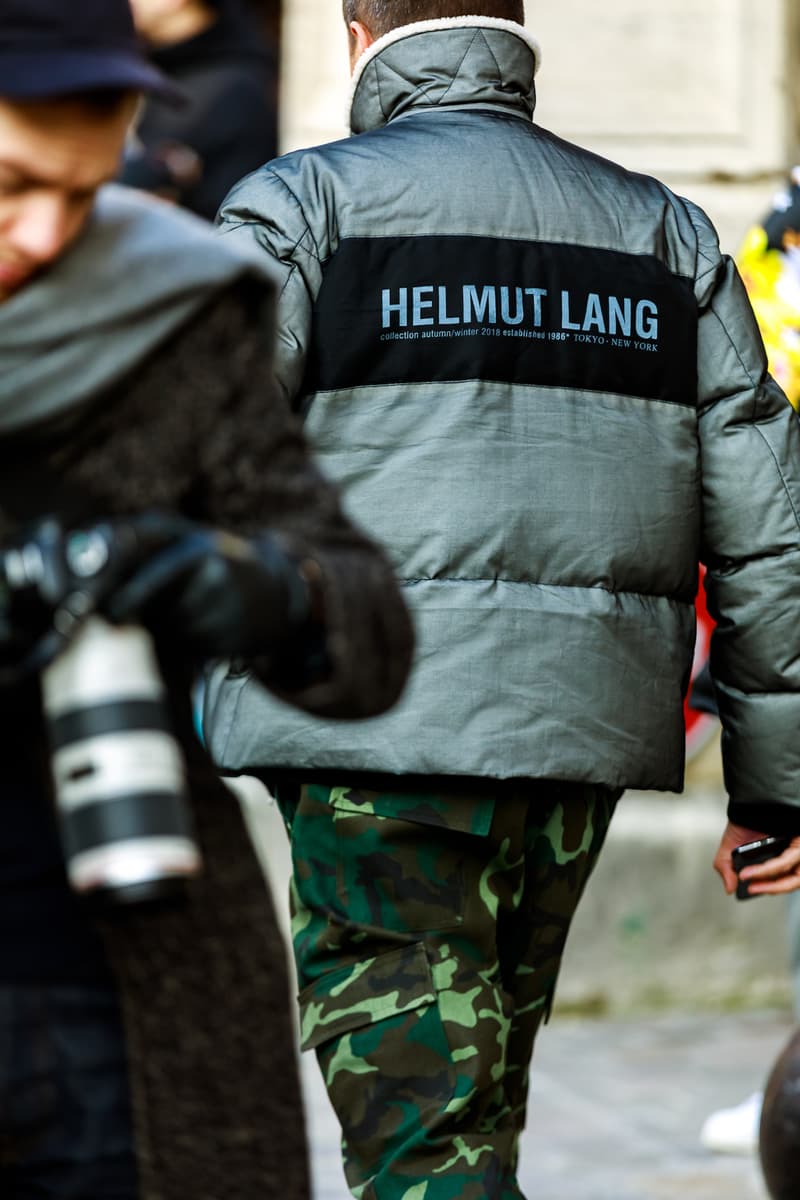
(409, 954)
(65, 1121)
(563, 840)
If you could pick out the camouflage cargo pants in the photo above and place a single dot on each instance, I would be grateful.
(428, 931)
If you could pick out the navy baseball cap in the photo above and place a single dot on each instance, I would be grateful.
(51, 48)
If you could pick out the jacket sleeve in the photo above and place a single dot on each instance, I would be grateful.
(263, 210)
(750, 459)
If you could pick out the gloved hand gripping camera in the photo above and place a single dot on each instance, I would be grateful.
(118, 771)
(117, 768)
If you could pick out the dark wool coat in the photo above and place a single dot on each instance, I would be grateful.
(204, 987)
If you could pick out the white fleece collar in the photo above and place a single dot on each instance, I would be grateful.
(404, 31)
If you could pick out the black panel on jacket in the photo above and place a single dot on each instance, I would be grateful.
(422, 309)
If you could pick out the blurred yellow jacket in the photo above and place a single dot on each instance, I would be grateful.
(773, 284)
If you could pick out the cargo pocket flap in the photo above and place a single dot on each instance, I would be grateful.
(461, 813)
(369, 991)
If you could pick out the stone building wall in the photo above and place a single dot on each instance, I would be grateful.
(699, 92)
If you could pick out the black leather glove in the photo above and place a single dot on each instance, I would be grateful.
(218, 594)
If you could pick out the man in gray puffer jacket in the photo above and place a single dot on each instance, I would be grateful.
(543, 389)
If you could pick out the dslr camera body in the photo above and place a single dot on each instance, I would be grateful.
(118, 771)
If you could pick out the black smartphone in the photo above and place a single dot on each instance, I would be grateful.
(756, 852)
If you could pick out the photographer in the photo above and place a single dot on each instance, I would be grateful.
(136, 397)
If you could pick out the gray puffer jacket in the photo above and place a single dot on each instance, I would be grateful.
(544, 391)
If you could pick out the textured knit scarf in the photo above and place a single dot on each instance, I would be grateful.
(139, 270)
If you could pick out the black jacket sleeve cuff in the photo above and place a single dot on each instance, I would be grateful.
(766, 817)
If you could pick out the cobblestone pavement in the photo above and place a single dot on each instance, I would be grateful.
(616, 1108)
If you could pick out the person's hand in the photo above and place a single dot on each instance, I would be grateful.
(772, 878)
(216, 593)
(185, 166)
